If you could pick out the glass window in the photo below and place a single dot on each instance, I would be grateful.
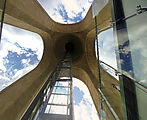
(107, 54)
(58, 99)
(56, 109)
(60, 90)
(137, 28)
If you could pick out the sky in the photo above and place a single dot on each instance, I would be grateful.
(83, 104)
(107, 51)
(66, 11)
(18, 54)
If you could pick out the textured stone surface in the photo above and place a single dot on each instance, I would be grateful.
(28, 14)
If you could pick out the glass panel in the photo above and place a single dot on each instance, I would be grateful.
(110, 87)
(142, 101)
(62, 84)
(97, 6)
(64, 77)
(132, 56)
(60, 90)
(47, 108)
(107, 51)
(137, 29)
(56, 109)
(58, 99)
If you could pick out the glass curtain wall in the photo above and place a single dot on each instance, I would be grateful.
(110, 100)
(130, 28)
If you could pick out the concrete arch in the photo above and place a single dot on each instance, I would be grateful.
(28, 14)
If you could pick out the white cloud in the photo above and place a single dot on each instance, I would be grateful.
(2, 67)
(17, 40)
(107, 48)
(58, 18)
(6, 46)
(22, 72)
(138, 48)
(23, 37)
(85, 112)
(85, 109)
(72, 7)
(6, 81)
(107, 51)
(24, 61)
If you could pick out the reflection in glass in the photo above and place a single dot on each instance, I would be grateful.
(131, 47)
(137, 29)
(107, 51)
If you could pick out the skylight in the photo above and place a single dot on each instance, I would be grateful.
(66, 11)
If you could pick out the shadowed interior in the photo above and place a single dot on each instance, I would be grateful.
(68, 43)
(69, 47)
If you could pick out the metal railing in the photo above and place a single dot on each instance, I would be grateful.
(117, 73)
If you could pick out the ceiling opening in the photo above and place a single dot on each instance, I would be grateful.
(66, 11)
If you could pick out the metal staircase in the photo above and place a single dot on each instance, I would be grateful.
(57, 102)
(55, 99)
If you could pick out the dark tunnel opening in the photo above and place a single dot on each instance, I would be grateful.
(69, 47)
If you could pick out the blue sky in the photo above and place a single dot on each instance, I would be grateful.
(66, 11)
(18, 54)
(107, 50)
(83, 105)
